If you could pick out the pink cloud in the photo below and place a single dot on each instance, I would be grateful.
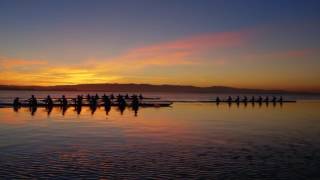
(198, 42)
(181, 51)
(280, 55)
(296, 53)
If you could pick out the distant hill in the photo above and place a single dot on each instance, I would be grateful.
(147, 88)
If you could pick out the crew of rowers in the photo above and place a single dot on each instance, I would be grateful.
(93, 100)
(253, 99)
(121, 100)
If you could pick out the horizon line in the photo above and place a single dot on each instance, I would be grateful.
(178, 85)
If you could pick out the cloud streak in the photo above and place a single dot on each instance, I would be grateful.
(6, 62)
(284, 55)
(181, 51)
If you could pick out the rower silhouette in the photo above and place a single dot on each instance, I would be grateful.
(63, 101)
(48, 101)
(245, 99)
(135, 104)
(218, 100)
(33, 101)
(16, 103)
(106, 101)
(237, 100)
(280, 99)
(252, 99)
(111, 97)
(97, 97)
(229, 99)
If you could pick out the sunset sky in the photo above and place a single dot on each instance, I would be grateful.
(270, 44)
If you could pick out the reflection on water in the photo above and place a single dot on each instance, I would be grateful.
(187, 141)
(78, 109)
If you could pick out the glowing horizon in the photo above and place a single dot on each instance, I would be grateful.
(276, 50)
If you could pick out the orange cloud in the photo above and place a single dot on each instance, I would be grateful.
(6, 62)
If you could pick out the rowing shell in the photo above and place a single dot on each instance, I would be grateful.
(163, 104)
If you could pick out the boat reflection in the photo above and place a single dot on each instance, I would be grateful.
(107, 109)
(93, 109)
(49, 109)
(33, 110)
(78, 109)
(63, 109)
(121, 109)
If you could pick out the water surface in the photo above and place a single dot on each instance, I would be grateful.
(186, 141)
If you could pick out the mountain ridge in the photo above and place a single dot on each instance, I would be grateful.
(131, 87)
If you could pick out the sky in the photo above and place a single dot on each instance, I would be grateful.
(267, 44)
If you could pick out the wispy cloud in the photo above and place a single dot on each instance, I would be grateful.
(182, 50)
(6, 62)
(179, 52)
(198, 42)
(277, 55)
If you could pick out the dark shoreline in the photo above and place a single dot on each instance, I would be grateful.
(152, 88)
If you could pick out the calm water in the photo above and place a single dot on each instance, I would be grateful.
(8, 96)
(186, 141)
